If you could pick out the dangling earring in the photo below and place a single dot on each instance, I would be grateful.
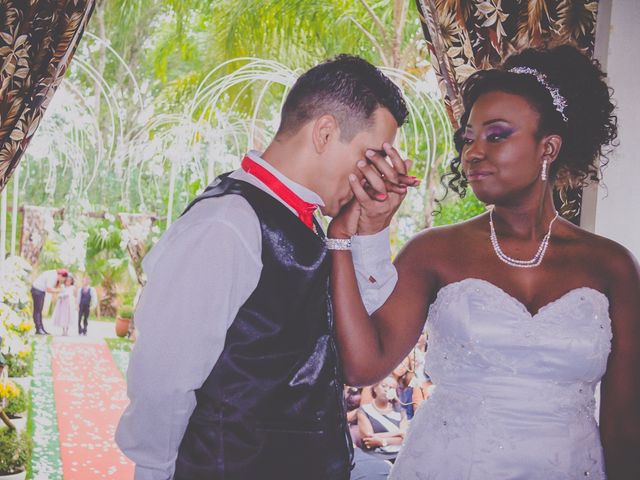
(543, 173)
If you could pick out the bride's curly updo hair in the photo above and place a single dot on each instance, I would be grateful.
(591, 127)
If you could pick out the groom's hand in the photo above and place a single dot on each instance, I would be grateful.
(345, 224)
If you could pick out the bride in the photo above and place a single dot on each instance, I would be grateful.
(65, 310)
(525, 312)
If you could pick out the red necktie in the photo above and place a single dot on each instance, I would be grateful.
(304, 209)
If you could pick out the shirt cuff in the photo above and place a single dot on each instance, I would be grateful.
(376, 275)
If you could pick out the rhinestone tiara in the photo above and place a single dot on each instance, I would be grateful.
(559, 102)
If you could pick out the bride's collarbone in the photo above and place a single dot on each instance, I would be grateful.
(466, 253)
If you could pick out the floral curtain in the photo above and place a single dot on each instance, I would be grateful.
(37, 41)
(466, 35)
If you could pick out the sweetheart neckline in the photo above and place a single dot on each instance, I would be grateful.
(515, 300)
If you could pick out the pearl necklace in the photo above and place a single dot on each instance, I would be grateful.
(514, 262)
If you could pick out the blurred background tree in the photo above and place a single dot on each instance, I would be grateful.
(164, 94)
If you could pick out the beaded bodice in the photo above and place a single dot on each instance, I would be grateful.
(514, 392)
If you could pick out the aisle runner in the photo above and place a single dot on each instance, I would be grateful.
(90, 396)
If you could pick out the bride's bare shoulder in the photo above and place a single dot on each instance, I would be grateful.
(608, 255)
(441, 241)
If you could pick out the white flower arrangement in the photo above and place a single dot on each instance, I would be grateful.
(72, 247)
(17, 267)
(14, 282)
(15, 323)
(73, 250)
(136, 233)
(14, 344)
(13, 328)
(14, 292)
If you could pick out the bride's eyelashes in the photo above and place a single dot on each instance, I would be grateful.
(493, 134)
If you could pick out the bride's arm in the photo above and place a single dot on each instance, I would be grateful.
(371, 346)
(620, 406)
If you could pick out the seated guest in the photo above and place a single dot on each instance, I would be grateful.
(352, 397)
(421, 393)
(368, 467)
(417, 359)
(405, 377)
(382, 423)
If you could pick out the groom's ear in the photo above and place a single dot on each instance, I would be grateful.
(325, 130)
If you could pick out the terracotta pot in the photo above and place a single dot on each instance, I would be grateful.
(122, 326)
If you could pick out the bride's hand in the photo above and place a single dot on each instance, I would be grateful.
(377, 194)
(377, 210)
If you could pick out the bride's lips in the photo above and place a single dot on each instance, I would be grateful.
(476, 175)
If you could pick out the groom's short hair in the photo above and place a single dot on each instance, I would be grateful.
(347, 87)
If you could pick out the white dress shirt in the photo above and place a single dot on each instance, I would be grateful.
(46, 280)
(199, 274)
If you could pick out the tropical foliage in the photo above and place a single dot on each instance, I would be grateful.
(163, 95)
(145, 99)
(15, 451)
(16, 400)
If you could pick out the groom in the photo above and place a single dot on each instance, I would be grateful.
(45, 283)
(235, 374)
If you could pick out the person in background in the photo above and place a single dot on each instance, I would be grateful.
(406, 381)
(368, 467)
(352, 398)
(417, 359)
(405, 377)
(422, 393)
(87, 299)
(46, 282)
(65, 310)
(382, 423)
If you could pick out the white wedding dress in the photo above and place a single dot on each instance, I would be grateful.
(514, 392)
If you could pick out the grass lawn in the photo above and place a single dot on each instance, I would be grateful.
(120, 349)
(119, 344)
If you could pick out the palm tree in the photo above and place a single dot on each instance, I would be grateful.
(385, 32)
(108, 263)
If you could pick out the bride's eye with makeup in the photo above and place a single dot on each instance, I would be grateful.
(467, 137)
(498, 133)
